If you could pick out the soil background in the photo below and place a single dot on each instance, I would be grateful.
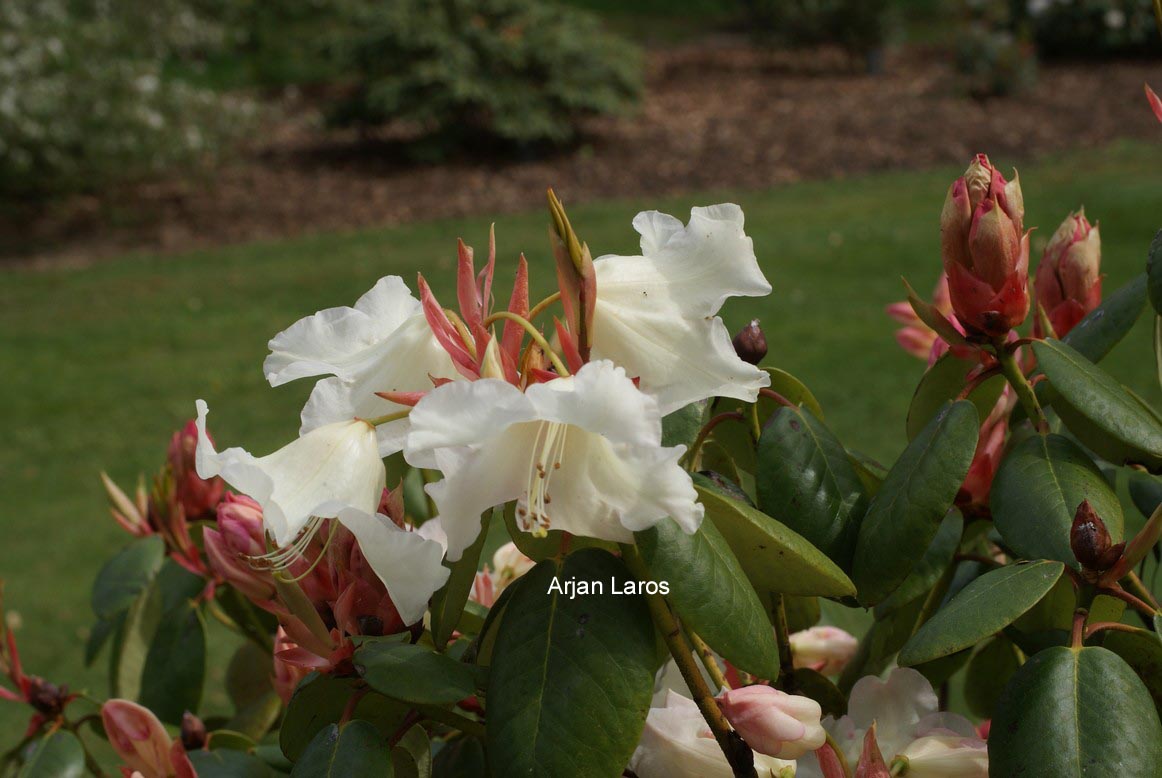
(718, 114)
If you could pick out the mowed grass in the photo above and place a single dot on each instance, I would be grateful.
(100, 364)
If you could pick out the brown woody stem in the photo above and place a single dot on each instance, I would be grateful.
(738, 754)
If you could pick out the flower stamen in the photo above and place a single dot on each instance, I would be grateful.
(545, 458)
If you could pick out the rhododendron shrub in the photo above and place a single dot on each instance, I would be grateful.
(596, 535)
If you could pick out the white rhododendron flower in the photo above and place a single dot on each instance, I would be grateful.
(315, 476)
(580, 453)
(947, 756)
(824, 649)
(904, 709)
(677, 743)
(383, 344)
(656, 314)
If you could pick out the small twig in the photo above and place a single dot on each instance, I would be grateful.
(1122, 594)
(780, 399)
(1116, 626)
(1022, 388)
(1077, 640)
(353, 703)
(783, 638)
(691, 456)
(708, 661)
(1139, 589)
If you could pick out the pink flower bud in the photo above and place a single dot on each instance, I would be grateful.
(947, 756)
(1068, 284)
(826, 650)
(916, 337)
(772, 722)
(138, 738)
(196, 495)
(238, 537)
(973, 497)
(986, 250)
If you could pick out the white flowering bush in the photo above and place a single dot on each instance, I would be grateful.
(84, 99)
(673, 520)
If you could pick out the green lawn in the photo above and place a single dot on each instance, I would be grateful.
(101, 363)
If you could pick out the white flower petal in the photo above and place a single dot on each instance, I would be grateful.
(896, 705)
(600, 398)
(678, 359)
(407, 563)
(655, 313)
(465, 413)
(491, 475)
(318, 474)
(340, 341)
(405, 361)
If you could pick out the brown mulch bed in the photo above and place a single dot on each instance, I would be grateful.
(719, 114)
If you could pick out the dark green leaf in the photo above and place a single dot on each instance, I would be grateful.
(1146, 492)
(571, 678)
(1098, 410)
(414, 673)
(126, 575)
(462, 758)
(988, 672)
(805, 480)
(1035, 495)
(985, 607)
(175, 667)
(1142, 651)
(130, 649)
(99, 635)
(738, 439)
(792, 389)
(683, 425)
(940, 671)
(249, 685)
(774, 557)
(929, 569)
(229, 763)
(355, 750)
(942, 383)
(712, 594)
(1102, 329)
(906, 514)
(320, 700)
(1075, 712)
(412, 756)
(448, 603)
(1154, 272)
(59, 755)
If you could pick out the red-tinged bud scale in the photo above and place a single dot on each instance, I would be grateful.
(985, 251)
(1068, 283)
(1091, 542)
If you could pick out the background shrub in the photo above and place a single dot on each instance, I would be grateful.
(522, 71)
(84, 97)
(1093, 28)
(992, 56)
(859, 26)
